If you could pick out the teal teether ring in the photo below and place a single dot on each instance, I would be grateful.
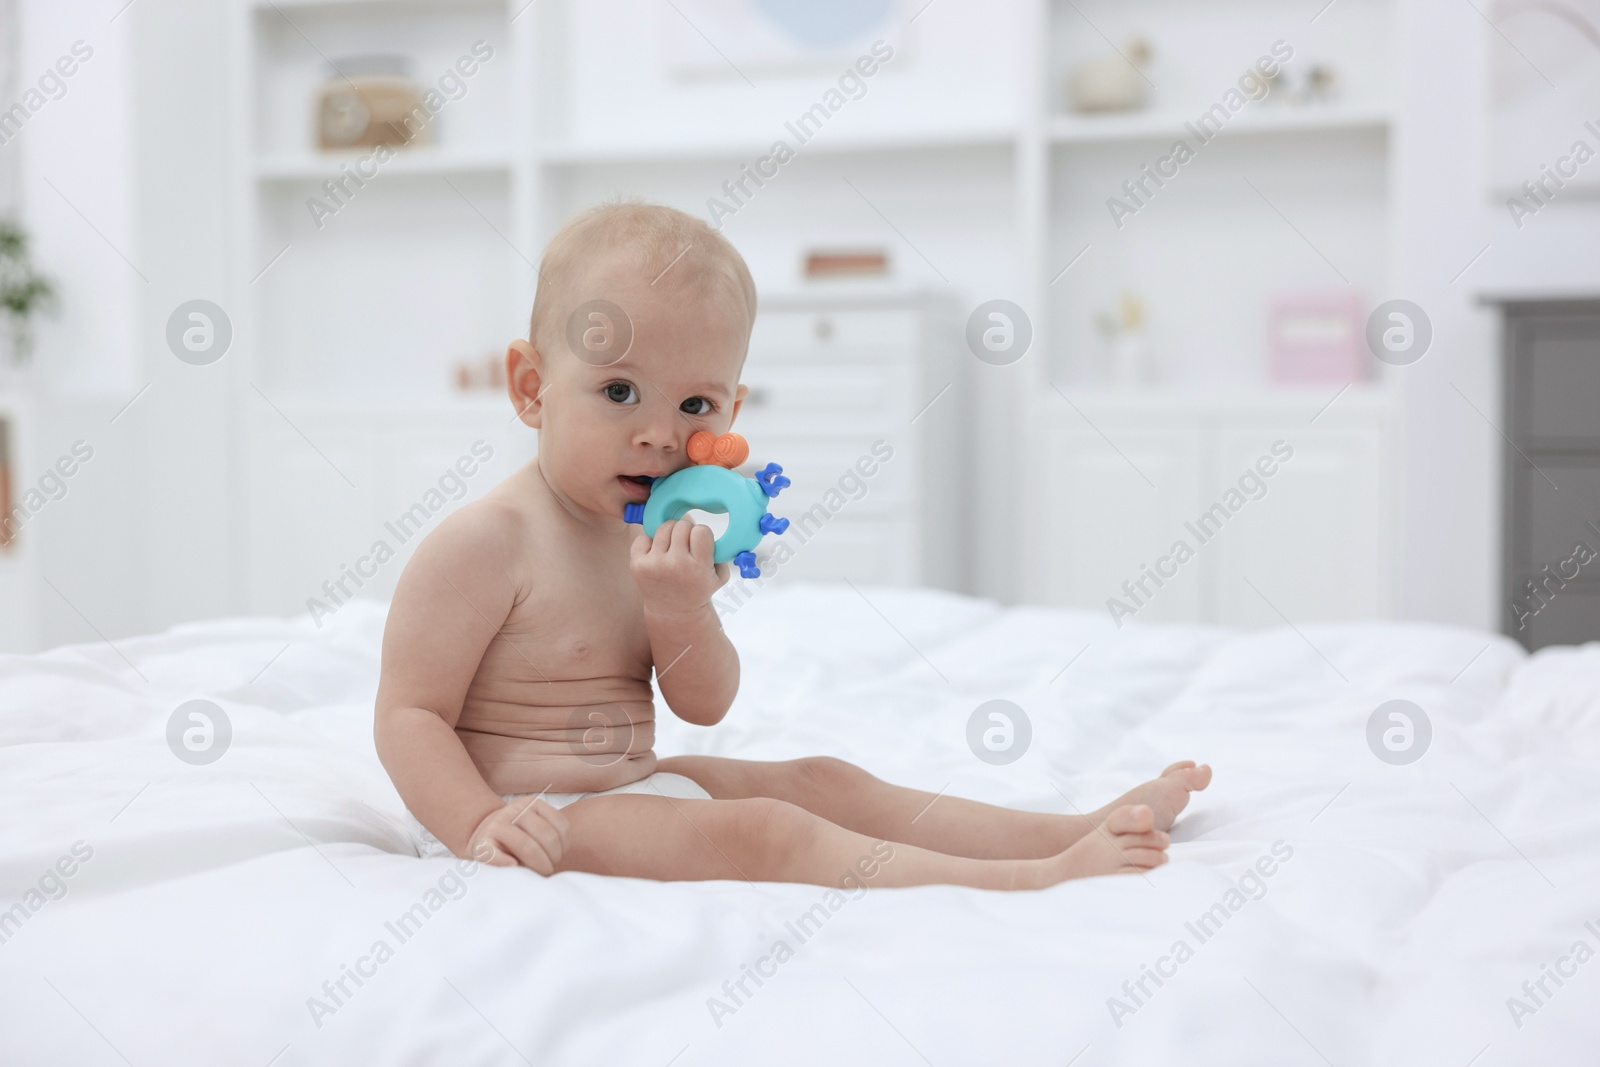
(708, 487)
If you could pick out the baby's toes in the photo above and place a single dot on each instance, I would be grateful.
(1144, 858)
(1188, 775)
(1153, 840)
(1131, 819)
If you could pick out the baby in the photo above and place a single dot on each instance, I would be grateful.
(514, 711)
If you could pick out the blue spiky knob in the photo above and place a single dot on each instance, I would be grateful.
(771, 480)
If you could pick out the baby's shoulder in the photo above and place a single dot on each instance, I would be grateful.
(491, 525)
(488, 535)
(478, 554)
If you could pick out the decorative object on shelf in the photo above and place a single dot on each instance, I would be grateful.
(1111, 83)
(1315, 337)
(1124, 334)
(1317, 83)
(23, 293)
(488, 372)
(823, 264)
(1321, 84)
(710, 485)
(367, 101)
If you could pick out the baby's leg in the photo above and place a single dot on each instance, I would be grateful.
(848, 796)
(764, 840)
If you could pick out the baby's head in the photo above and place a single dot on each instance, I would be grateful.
(639, 330)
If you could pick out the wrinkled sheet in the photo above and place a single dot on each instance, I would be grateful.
(1409, 908)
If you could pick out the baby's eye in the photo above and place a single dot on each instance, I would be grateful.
(622, 393)
(697, 405)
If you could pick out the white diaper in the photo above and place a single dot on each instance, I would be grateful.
(661, 783)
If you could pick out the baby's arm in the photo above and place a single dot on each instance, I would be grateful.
(450, 603)
(696, 665)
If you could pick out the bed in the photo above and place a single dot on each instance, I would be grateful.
(1336, 907)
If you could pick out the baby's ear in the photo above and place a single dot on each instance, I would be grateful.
(525, 381)
(738, 400)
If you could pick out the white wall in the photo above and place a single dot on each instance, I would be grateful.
(77, 192)
(186, 152)
(125, 188)
(1482, 108)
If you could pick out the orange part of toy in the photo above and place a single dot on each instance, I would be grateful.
(701, 445)
(732, 449)
(725, 450)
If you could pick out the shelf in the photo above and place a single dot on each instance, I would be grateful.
(1365, 395)
(270, 6)
(852, 294)
(1539, 294)
(1074, 129)
(447, 402)
(314, 166)
(296, 166)
(675, 151)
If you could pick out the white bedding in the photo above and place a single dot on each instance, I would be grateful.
(1413, 906)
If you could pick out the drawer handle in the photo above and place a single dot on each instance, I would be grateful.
(823, 328)
(757, 397)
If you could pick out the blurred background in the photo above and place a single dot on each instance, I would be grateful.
(1049, 288)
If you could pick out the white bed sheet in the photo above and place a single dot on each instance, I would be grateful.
(1418, 899)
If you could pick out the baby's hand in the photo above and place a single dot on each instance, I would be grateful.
(527, 832)
(674, 569)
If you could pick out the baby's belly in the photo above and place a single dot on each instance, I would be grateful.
(523, 748)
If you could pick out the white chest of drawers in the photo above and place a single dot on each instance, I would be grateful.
(860, 397)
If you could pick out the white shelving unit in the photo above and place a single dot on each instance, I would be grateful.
(357, 320)
(1238, 223)
(452, 220)
(961, 158)
(1245, 220)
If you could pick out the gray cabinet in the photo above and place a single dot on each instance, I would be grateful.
(1551, 576)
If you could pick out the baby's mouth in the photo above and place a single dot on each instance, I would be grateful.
(637, 486)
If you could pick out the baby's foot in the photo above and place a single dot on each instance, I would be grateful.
(1166, 796)
(1126, 842)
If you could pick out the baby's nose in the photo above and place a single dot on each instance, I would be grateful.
(659, 432)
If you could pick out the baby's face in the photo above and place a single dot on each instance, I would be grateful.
(606, 426)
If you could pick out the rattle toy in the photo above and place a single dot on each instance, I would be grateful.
(710, 485)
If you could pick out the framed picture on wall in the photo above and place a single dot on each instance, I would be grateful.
(715, 38)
